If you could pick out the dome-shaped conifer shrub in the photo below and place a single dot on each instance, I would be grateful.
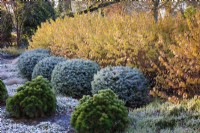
(102, 113)
(39, 50)
(34, 99)
(73, 77)
(34, 51)
(3, 92)
(46, 66)
(27, 63)
(129, 84)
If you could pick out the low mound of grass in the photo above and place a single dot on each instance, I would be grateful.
(12, 51)
(159, 117)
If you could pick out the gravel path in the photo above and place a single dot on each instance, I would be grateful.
(59, 123)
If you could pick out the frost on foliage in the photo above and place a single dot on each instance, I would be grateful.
(65, 104)
(39, 50)
(73, 77)
(46, 66)
(129, 84)
(27, 63)
(167, 117)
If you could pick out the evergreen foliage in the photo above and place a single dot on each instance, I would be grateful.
(73, 77)
(46, 66)
(6, 28)
(34, 99)
(27, 62)
(3, 92)
(166, 117)
(102, 113)
(129, 84)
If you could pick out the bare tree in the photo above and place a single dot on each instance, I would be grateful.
(153, 5)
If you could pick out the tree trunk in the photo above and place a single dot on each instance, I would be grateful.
(155, 9)
(18, 36)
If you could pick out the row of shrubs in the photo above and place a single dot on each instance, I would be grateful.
(161, 50)
(78, 77)
(72, 78)
(103, 112)
(50, 75)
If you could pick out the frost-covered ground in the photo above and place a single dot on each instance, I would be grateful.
(58, 123)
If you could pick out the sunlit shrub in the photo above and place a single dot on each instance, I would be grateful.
(189, 12)
(102, 113)
(44, 37)
(82, 36)
(178, 74)
(131, 40)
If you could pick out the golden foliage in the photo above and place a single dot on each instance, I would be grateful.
(109, 40)
(44, 36)
(179, 76)
(130, 40)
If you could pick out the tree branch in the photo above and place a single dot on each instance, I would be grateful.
(163, 4)
(94, 7)
(176, 5)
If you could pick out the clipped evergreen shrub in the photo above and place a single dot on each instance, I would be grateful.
(34, 51)
(3, 92)
(102, 113)
(73, 77)
(39, 50)
(129, 84)
(34, 99)
(27, 63)
(46, 66)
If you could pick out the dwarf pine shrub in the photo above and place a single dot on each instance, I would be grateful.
(34, 99)
(102, 113)
(3, 92)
